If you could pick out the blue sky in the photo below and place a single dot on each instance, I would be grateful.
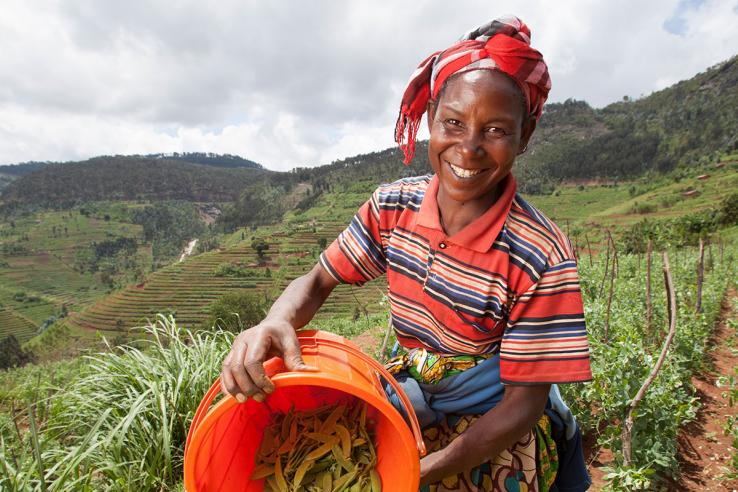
(301, 83)
(677, 23)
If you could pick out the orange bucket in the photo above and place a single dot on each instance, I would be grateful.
(223, 440)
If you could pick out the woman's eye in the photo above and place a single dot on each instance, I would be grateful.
(452, 122)
(494, 130)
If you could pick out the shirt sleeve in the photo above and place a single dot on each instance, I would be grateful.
(546, 338)
(357, 255)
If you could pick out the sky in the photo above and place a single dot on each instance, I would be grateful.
(301, 82)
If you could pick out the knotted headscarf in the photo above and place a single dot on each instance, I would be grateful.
(503, 44)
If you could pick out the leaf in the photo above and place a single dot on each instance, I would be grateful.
(345, 436)
(262, 471)
(375, 481)
(300, 473)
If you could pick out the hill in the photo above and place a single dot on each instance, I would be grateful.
(209, 159)
(128, 178)
(689, 121)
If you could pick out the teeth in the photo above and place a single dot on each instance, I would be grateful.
(464, 173)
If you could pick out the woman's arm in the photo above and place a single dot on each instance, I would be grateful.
(492, 433)
(243, 374)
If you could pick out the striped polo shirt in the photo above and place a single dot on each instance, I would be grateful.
(505, 283)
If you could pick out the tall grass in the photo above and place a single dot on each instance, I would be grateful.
(121, 423)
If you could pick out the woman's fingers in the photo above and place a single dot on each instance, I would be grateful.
(292, 356)
(243, 372)
(253, 363)
(234, 379)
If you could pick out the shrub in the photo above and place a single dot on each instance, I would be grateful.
(236, 311)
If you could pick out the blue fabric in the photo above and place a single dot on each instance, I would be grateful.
(476, 391)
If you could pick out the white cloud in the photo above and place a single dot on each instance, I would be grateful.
(298, 83)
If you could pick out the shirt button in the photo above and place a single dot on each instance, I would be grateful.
(442, 245)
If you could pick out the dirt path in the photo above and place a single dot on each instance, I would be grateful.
(704, 449)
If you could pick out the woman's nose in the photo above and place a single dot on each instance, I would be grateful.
(471, 145)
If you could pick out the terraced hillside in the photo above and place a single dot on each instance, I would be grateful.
(13, 324)
(187, 289)
(607, 203)
(39, 274)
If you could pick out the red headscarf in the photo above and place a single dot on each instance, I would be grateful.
(503, 44)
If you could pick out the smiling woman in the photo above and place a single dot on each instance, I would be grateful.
(483, 289)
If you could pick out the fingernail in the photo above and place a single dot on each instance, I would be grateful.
(240, 398)
(258, 397)
(307, 368)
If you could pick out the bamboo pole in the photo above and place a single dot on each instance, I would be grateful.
(626, 435)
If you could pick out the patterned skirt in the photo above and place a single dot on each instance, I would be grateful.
(529, 465)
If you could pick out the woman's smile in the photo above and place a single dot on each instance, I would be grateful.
(462, 173)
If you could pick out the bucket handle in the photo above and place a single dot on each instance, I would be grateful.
(414, 425)
(207, 400)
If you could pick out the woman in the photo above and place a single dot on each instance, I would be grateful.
(483, 288)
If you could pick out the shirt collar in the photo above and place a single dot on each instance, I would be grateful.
(482, 232)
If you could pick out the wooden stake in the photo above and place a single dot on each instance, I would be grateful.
(604, 276)
(383, 350)
(626, 435)
(709, 254)
(589, 247)
(613, 274)
(700, 275)
(649, 304)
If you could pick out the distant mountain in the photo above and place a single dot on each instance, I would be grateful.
(208, 159)
(23, 168)
(128, 178)
(690, 122)
(10, 173)
(684, 124)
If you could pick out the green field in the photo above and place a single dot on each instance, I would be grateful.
(38, 263)
(187, 289)
(618, 204)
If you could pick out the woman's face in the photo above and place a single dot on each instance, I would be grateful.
(477, 128)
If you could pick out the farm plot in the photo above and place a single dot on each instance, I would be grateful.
(186, 289)
(13, 324)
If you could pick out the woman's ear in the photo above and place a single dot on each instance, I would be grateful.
(528, 127)
(430, 110)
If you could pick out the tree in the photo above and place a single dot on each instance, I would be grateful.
(259, 245)
(11, 353)
(236, 311)
(322, 242)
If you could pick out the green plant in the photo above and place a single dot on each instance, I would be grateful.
(120, 420)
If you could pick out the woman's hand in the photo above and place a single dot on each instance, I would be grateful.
(243, 368)
(492, 433)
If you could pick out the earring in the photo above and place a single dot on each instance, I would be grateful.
(525, 149)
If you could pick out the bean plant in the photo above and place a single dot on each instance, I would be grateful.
(623, 357)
